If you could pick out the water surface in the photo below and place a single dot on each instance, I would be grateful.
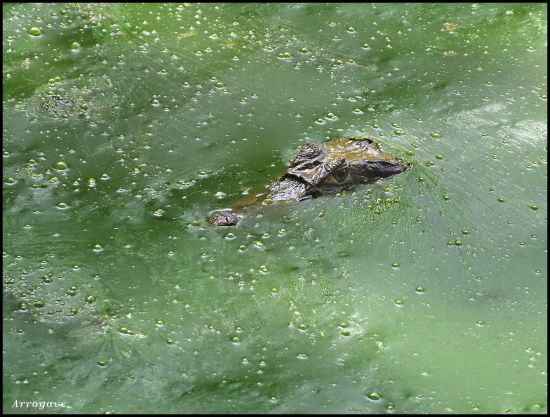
(125, 124)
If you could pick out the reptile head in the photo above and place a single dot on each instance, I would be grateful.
(325, 168)
(339, 164)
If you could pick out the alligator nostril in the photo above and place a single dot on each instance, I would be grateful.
(224, 218)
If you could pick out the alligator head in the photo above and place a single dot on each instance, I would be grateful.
(332, 167)
(325, 168)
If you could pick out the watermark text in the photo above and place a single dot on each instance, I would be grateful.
(38, 404)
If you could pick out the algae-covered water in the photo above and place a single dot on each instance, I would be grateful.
(126, 124)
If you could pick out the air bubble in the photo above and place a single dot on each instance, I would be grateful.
(34, 31)
(60, 166)
(373, 396)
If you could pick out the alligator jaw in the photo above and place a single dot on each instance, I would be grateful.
(288, 188)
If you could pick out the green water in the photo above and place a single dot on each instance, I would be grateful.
(124, 125)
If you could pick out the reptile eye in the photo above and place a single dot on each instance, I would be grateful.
(340, 175)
